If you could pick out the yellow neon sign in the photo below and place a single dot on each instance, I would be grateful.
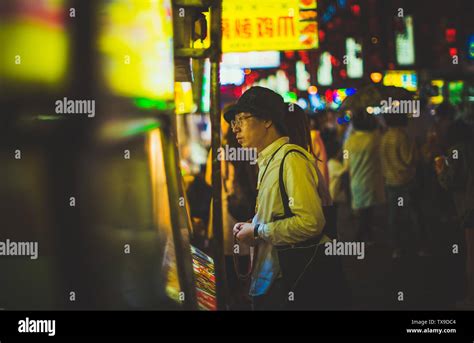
(137, 44)
(260, 25)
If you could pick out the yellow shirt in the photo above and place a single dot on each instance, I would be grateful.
(397, 153)
(301, 183)
(336, 172)
(362, 158)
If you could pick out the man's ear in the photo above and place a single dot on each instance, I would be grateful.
(268, 123)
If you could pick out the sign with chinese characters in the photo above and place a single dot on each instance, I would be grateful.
(260, 25)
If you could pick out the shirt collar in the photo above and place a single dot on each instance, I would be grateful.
(266, 153)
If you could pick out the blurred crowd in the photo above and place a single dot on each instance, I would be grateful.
(418, 171)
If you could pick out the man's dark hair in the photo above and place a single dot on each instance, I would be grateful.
(332, 148)
(362, 120)
(281, 128)
(298, 126)
(396, 119)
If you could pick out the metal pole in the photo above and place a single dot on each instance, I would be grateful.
(183, 254)
(215, 113)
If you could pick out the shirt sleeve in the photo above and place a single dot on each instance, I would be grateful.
(336, 169)
(308, 221)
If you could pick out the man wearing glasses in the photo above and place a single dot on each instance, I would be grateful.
(257, 120)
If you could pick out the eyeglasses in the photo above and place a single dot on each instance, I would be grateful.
(238, 121)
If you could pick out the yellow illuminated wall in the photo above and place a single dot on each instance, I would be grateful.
(137, 43)
(34, 45)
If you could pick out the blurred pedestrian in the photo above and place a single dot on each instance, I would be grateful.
(444, 117)
(298, 128)
(456, 174)
(337, 176)
(437, 206)
(297, 124)
(399, 157)
(361, 157)
(319, 149)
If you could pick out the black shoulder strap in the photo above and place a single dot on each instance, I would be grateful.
(284, 195)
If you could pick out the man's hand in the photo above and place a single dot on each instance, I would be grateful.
(236, 230)
(243, 232)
